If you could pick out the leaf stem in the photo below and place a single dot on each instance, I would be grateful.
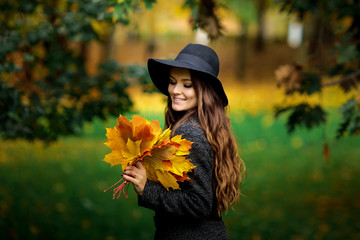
(120, 189)
(113, 185)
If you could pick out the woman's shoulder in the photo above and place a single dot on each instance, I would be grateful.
(192, 131)
(190, 126)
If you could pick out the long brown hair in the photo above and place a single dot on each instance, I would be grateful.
(228, 167)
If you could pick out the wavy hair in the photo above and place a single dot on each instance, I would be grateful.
(228, 168)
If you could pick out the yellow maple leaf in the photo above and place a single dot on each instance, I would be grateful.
(115, 158)
(164, 136)
(124, 127)
(183, 145)
(167, 180)
(167, 165)
(164, 158)
(132, 150)
(158, 155)
(180, 164)
(114, 139)
(150, 172)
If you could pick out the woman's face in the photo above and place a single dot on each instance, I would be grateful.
(181, 90)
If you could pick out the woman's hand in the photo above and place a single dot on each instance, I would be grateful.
(136, 174)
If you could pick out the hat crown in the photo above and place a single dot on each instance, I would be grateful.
(200, 56)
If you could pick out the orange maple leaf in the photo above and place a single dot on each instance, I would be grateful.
(164, 158)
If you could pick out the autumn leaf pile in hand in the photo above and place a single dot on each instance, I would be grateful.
(163, 157)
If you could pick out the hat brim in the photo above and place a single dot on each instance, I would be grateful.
(159, 74)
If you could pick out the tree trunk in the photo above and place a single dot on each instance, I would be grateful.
(242, 55)
(319, 37)
(259, 43)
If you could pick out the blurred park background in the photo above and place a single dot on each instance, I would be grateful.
(68, 68)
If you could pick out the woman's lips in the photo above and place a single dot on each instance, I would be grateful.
(179, 100)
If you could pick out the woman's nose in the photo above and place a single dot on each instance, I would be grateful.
(177, 89)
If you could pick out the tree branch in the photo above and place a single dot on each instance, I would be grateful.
(344, 79)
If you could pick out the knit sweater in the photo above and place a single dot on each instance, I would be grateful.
(189, 213)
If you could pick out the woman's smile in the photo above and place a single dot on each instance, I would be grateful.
(179, 100)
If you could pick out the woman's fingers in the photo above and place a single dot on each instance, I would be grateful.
(128, 177)
(130, 171)
(139, 165)
(136, 174)
(128, 168)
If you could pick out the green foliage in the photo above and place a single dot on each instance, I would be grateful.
(347, 50)
(122, 9)
(310, 83)
(303, 115)
(342, 20)
(45, 90)
(194, 6)
(244, 10)
(63, 113)
(351, 119)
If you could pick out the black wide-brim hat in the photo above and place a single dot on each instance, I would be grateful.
(194, 57)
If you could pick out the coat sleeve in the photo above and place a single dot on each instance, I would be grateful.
(195, 199)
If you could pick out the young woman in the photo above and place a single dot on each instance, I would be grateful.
(195, 110)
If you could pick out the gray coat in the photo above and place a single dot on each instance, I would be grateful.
(189, 213)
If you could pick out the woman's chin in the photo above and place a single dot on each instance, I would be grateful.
(179, 109)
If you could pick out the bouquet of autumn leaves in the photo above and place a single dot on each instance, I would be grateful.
(164, 158)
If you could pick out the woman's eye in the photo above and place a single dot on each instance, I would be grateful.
(172, 82)
(188, 85)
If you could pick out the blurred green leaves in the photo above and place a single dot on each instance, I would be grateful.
(350, 118)
(120, 9)
(337, 34)
(45, 90)
(303, 115)
(311, 83)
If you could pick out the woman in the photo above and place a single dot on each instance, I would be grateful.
(195, 110)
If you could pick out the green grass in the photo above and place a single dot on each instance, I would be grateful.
(56, 192)
(291, 191)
